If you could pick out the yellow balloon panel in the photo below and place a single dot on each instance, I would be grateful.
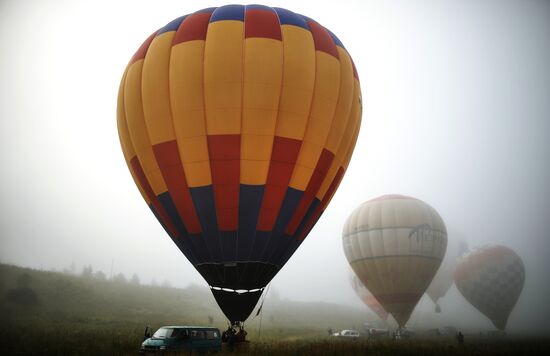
(223, 78)
(155, 90)
(297, 82)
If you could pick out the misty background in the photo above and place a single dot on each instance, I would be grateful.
(456, 112)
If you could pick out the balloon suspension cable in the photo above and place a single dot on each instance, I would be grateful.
(259, 312)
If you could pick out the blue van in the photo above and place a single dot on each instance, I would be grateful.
(199, 339)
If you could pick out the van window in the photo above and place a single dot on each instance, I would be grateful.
(211, 335)
(179, 333)
(162, 333)
(198, 335)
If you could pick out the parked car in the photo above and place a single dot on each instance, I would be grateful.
(198, 339)
(347, 334)
(378, 332)
(403, 333)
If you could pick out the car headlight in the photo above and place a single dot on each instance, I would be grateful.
(163, 347)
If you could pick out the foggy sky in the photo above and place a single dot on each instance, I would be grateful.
(456, 100)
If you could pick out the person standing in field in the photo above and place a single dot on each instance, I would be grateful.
(460, 338)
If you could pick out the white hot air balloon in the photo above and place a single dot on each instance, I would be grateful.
(395, 245)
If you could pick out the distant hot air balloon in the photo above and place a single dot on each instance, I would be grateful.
(395, 245)
(237, 124)
(443, 279)
(367, 298)
(491, 279)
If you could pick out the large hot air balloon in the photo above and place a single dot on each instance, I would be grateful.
(237, 124)
(367, 298)
(395, 245)
(491, 279)
(443, 279)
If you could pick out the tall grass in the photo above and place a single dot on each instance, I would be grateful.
(59, 339)
(402, 347)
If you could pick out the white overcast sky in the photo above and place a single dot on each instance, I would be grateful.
(456, 112)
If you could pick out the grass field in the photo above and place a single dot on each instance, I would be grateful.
(402, 347)
(51, 313)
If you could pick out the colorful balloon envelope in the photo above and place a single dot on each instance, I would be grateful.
(237, 124)
(491, 279)
(395, 245)
(367, 297)
(443, 279)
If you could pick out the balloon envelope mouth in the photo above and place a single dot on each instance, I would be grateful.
(237, 305)
(238, 291)
(237, 286)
